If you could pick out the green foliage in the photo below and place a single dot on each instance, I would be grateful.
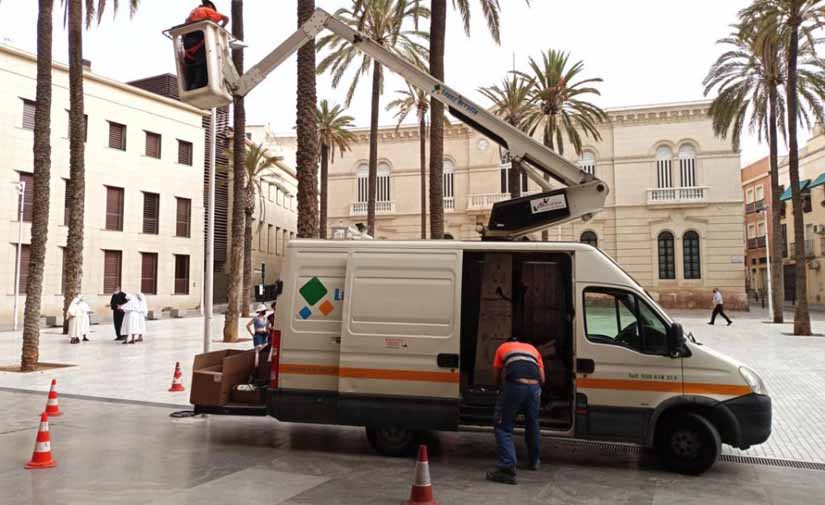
(334, 128)
(511, 100)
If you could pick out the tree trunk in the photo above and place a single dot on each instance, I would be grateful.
(73, 253)
(246, 298)
(438, 33)
(422, 144)
(514, 179)
(42, 165)
(324, 187)
(307, 133)
(372, 178)
(235, 281)
(776, 280)
(802, 319)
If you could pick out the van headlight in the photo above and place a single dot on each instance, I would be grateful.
(753, 380)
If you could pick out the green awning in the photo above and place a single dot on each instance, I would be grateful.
(802, 185)
(819, 181)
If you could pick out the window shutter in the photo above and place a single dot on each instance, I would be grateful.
(117, 136)
(183, 217)
(28, 197)
(149, 273)
(114, 209)
(28, 114)
(153, 143)
(151, 213)
(181, 274)
(184, 152)
(67, 201)
(25, 255)
(111, 270)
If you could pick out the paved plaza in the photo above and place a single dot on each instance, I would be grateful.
(116, 443)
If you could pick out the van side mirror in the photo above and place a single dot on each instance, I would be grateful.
(675, 340)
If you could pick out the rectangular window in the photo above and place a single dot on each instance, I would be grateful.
(149, 273)
(751, 231)
(363, 188)
(270, 245)
(271, 189)
(114, 209)
(284, 240)
(151, 213)
(749, 196)
(117, 136)
(278, 239)
(260, 237)
(153, 145)
(184, 217)
(112, 261)
(181, 274)
(619, 318)
(760, 230)
(664, 174)
(67, 202)
(184, 152)
(85, 126)
(29, 107)
(279, 196)
(25, 255)
(28, 197)
(760, 193)
(687, 170)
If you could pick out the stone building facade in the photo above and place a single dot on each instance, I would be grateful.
(673, 219)
(756, 187)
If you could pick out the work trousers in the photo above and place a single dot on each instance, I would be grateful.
(117, 318)
(515, 398)
(720, 310)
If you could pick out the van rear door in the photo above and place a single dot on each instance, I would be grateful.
(400, 339)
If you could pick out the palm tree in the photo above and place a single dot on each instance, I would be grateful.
(306, 155)
(30, 353)
(236, 296)
(333, 133)
(786, 19)
(748, 76)
(511, 103)
(384, 22)
(409, 100)
(73, 264)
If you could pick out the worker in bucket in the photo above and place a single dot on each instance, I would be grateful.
(194, 58)
(519, 373)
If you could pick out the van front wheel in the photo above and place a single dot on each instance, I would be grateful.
(393, 440)
(688, 444)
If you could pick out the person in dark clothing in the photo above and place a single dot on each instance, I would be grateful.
(194, 58)
(118, 299)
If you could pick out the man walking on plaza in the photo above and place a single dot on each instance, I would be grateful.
(519, 372)
(718, 308)
(118, 299)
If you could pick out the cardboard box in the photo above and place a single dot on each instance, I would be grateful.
(215, 374)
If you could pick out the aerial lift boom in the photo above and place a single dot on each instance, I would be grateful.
(583, 195)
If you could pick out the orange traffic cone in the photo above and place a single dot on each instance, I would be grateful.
(42, 456)
(52, 408)
(177, 382)
(422, 488)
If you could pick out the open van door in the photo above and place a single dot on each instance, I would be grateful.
(399, 362)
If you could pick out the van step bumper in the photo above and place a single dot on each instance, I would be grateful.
(232, 409)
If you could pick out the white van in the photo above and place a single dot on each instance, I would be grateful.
(399, 337)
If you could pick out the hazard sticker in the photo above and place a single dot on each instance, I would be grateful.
(548, 203)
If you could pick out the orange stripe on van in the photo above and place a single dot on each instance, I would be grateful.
(398, 375)
(299, 369)
(663, 387)
(716, 389)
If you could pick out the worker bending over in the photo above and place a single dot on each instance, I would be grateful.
(194, 59)
(519, 372)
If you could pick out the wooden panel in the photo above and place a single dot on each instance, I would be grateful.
(151, 213)
(181, 274)
(184, 217)
(149, 273)
(114, 208)
(117, 136)
(25, 255)
(153, 145)
(111, 270)
(184, 152)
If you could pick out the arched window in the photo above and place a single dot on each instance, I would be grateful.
(664, 161)
(362, 173)
(449, 184)
(687, 166)
(690, 246)
(588, 162)
(589, 238)
(667, 256)
(382, 187)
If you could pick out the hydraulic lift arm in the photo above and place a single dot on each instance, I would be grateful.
(583, 195)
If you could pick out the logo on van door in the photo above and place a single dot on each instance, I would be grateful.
(314, 292)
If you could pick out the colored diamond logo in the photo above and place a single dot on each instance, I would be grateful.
(305, 313)
(313, 291)
(326, 308)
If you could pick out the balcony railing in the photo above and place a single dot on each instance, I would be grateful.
(485, 201)
(360, 208)
(756, 243)
(670, 196)
(755, 207)
(449, 203)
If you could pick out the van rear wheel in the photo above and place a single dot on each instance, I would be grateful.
(688, 444)
(393, 440)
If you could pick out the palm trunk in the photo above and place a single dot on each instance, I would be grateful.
(372, 178)
(324, 187)
(307, 132)
(234, 298)
(438, 34)
(514, 179)
(422, 153)
(73, 260)
(802, 319)
(776, 280)
(30, 353)
(246, 297)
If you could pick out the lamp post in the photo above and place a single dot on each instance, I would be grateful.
(768, 252)
(21, 192)
(209, 281)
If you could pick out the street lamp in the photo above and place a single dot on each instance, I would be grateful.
(21, 195)
(768, 252)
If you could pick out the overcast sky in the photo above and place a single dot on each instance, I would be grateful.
(647, 51)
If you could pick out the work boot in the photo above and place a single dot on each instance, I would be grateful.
(503, 475)
(534, 467)
(85, 339)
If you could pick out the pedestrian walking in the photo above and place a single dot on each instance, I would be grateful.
(79, 324)
(134, 322)
(718, 308)
(118, 299)
(257, 327)
(519, 372)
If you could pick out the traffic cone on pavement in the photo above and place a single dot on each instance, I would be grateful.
(52, 407)
(422, 488)
(42, 456)
(177, 382)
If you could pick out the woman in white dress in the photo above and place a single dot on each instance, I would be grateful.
(78, 314)
(134, 319)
